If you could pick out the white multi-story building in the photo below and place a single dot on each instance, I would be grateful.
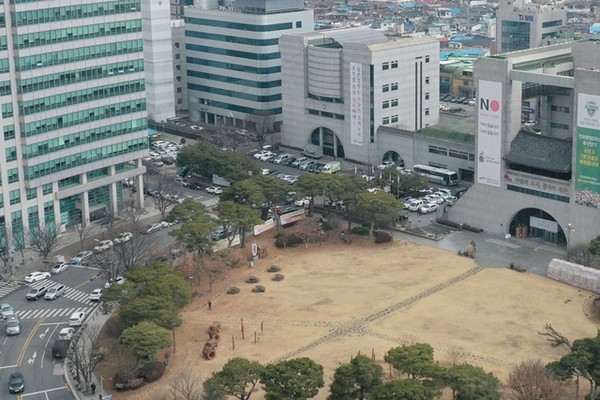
(340, 86)
(521, 25)
(233, 59)
(72, 97)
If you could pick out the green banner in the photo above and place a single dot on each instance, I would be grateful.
(587, 180)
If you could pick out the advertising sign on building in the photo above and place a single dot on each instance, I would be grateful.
(489, 133)
(587, 177)
(356, 104)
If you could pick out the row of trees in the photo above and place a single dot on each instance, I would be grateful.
(414, 375)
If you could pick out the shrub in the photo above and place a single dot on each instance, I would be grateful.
(114, 326)
(124, 377)
(284, 241)
(151, 371)
(383, 237)
(360, 230)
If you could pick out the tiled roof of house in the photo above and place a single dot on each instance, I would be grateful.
(541, 152)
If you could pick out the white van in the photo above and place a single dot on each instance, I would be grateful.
(332, 167)
(281, 158)
(415, 205)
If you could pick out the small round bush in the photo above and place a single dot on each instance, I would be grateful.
(360, 230)
(151, 371)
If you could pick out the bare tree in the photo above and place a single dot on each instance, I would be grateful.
(132, 216)
(581, 254)
(85, 353)
(554, 336)
(167, 192)
(139, 251)
(309, 230)
(44, 238)
(108, 264)
(263, 124)
(530, 380)
(83, 232)
(185, 386)
(6, 251)
(110, 221)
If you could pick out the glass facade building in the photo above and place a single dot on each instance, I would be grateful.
(72, 91)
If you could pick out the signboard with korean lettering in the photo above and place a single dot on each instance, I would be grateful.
(356, 104)
(587, 164)
(489, 133)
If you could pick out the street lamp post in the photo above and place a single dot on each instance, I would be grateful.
(569, 228)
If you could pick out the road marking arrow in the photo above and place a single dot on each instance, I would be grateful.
(44, 333)
(32, 359)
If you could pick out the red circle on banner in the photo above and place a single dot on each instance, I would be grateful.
(494, 105)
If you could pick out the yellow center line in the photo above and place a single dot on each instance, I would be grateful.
(28, 341)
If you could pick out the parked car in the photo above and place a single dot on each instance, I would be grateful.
(36, 293)
(291, 179)
(66, 333)
(296, 163)
(55, 292)
(6, 310)
(281, 158)
(305, 164)
(265, 171)
(415, 205)
(60, 348)
(434, 198)
(220, 233)
(386, 164)
(81, 257)
(96, 295)
(119, 281)
(16, 383)
(214, 190)
(77, 318)
(123, 237)
(288, 161)
(13, 325)
(266, 155)
(59, 267)
(36, 276)
(154, 228)
(428, 208)
(103, 245)
(316, 168)
(304, 202)
(259, 154)
(270, 159)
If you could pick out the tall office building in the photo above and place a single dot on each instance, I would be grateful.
(521, 25)
(341, 86)
(233, 60)
(73, 109)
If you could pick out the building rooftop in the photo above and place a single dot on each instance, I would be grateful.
(541, 152)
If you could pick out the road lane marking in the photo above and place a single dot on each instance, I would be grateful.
(46, 345)
(27, 342)
(45, 391)
(9, 366)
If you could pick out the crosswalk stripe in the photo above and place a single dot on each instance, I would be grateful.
(70, 293)
(52, 312)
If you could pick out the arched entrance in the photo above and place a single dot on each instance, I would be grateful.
(329, 142)
(395, 157)
(537, 223)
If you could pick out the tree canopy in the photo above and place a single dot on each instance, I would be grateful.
(146, 339)
(378, 208)
(413, 360)
(237, 217)
(469, 382)
(297, 379)
(196, 228)
(404, 389)
(356, 380)
(238, 378)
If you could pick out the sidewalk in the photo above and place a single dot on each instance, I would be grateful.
(96, 320)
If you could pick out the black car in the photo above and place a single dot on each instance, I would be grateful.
(316, 168)
(288, 161)
(16, 383)
(168, 160)
(194, 186)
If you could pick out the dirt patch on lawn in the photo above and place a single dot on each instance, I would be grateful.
(337, 300)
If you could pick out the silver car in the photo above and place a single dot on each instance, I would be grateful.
(6, 310)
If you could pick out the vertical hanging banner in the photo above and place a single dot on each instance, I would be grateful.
(356, 104)
(587, 158)
(489, 133)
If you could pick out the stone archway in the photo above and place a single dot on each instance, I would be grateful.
(393, 156)
(537, 223)
(329, 142)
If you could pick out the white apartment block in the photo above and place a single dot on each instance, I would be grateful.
(340, 86)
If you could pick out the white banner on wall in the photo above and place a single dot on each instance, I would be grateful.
(545, 224)
(489, 133)
(356, 104)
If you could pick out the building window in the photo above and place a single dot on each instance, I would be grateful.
(438, 150)
(394, 103)
(176, 45)
(13, 175)
(559, 126)
(385, 66)
(47, 189)
(31, 193)
(298, 24)
(177, 56)
(395, 64)
(560, 109)
(394, 86)
(7, 110)
(9, 132)
(427, 111)
(427, 96)
(386, 121)
(15, 196)
(11, 154)
(427, 80)
(179, 101)
(458, 154)
(394, 119)
(426, 59)
(386, 104)
(385, 88)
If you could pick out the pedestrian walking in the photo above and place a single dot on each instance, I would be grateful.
(209, 305)
(93, 386)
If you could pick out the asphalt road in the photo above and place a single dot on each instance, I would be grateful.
(41, 320)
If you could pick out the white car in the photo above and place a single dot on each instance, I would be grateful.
(434, 198)
(260, 154)
(154, 228)
(266, 155)
(77, 318)
(296, 163)
(103, 245)
(214, 190)
(6, 310)
(119, 281)
(66, 333)
(428, 208)
(386, 165)
(81, 257)
(96, 295)
(305, 202)
(36, 276)
(415, 205)
(123, 237)
(59, 267)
